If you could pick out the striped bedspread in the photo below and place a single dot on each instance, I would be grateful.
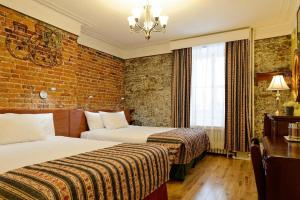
(184, 144)
(125, 171)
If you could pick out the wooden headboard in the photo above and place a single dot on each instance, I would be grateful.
(69, 123)
(78, 123)
(60, 117)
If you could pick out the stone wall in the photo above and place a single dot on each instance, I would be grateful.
(148, 83)
(270, 55)
(148, 89)
(83, 71)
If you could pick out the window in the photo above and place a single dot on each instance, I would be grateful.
(208, 86)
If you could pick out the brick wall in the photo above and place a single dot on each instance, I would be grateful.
(148, 89)
(84, 72)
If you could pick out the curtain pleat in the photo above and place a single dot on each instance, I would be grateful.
(181, 87)
(238, 85)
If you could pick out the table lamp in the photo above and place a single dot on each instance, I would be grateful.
(278, 83)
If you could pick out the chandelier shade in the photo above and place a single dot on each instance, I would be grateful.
(147, 20)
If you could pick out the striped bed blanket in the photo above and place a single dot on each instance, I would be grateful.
(184, 144)
(125, 171)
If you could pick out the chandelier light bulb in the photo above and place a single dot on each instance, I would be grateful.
(136, 12)
(163, 20)
(131, 21)
(156, 11)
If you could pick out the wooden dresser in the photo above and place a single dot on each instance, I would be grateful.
(282, 168)
(278, 125)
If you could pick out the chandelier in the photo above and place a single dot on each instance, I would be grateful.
(149, 22)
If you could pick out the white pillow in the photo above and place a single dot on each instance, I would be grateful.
(21, 128)
(114, 120)
(94, 120)
(46, 121)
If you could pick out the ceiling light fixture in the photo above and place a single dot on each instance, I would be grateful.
(151, 21)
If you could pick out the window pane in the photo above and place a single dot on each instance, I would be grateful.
(208, 86)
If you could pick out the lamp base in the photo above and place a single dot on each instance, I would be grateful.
(277, 102)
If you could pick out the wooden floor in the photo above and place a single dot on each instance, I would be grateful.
(216, 178)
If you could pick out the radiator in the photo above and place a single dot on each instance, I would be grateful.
(217, 139)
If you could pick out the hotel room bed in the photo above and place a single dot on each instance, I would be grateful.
(185, 146)
(71, 168)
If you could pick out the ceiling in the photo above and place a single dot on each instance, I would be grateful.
(107, 19)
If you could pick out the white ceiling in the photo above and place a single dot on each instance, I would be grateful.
(107, 19)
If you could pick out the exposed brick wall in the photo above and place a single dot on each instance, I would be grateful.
(148, 89)
(270, 55)
(83, 72)
(100, 75)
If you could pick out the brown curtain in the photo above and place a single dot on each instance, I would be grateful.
(238, 98)
(181, 87)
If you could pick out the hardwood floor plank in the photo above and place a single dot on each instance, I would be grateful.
(216, 178)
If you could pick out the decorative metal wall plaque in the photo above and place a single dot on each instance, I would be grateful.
(42, 47)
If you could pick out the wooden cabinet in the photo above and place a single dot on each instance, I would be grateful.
(278, 125)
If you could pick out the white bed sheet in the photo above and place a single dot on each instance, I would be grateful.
(13, 156)
(132, 134)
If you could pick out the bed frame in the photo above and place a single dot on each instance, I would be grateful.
(61, 118)
(71, 123)
(67, 122)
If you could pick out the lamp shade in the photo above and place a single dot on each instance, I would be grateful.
(278, 83)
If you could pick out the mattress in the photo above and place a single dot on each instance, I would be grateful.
(132, 134)
(184, 144)
(18, 155)
(69, 168)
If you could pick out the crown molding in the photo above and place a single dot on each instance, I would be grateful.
(38, 11)
(147, 51)
(95, 34)
(95, 43)
(66, 12)
(211, 38)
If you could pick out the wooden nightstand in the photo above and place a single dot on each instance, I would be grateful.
(278, 125)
